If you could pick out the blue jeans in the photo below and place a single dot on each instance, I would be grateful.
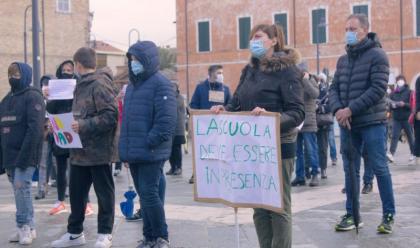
(21, 181)
(368, 172)
(307, 147)
(374, 138)
(150, 184)
(331, 143)
(397, 126)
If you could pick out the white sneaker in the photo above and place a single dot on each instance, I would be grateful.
(411, 158)
(15, 236)
(25, 236)
(390, 157)
(69, 240)
(103, 241)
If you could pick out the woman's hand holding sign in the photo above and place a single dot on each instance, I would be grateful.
(217, 109)
(258, 111)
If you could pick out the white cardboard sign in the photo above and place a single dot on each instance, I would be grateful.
(61, 89)
(236, 159)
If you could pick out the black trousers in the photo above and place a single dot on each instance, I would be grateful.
(417, 138)
(61, 176)
(81, 178)
(176, 156)
(322, 138)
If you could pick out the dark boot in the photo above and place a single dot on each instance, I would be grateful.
(177, 172)
(307, 173)
(40, 195)
(323, 174)
(314, 181)
(298, 182)
(170, 172)
(191, 181)
(367, 188)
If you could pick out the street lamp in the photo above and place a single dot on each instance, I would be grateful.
(129, 35)
(92, 44)
(35, 45)
(25, 34)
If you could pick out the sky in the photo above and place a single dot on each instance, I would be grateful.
(113, 20)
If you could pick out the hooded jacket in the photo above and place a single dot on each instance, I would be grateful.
(401, 95)
(274, 84)
(150, 110)
(22, 115)
(360, 83)
(60, 107)
(108, 77)
(311, 93)
(95, 108)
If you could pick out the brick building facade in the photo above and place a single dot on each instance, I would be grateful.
(67, 28)
(216, 32)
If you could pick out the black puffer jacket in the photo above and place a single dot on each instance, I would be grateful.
(360, 82)
(22, 116)
(274, 84)
(401, 95)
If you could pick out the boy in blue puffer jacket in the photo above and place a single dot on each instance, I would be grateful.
(148, 125)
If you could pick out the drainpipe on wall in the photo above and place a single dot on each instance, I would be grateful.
(294, 23)
(401, 38)
(187, 76)
(44, 61)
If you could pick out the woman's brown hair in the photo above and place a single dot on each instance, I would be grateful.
(273, 32)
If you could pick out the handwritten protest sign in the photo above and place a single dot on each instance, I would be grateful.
(61, 89)
(236, 159)
(64, 136)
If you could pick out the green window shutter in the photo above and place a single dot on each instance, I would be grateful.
(281, 19)
(418, 17)
(244, 32)
(319, 33)
(361, 9)
(204, 36)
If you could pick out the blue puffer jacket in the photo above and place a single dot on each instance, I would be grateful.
(150, 110)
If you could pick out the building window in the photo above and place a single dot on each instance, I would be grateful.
(101, 61)
(281, 19)
(417, 18)
(63, 6)
(319, 27)
(204, 36)
(244, 26)
(361, 9)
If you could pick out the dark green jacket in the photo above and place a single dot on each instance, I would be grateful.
(95, 108)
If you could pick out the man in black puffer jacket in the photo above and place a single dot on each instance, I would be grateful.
(357, 98)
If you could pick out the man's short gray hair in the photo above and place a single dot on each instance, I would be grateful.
(363, 19)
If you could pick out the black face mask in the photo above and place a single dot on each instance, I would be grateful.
(14, 83)
(67, 76)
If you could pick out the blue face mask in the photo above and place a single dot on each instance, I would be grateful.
(136, 67)
(257, 49)
(351, 38)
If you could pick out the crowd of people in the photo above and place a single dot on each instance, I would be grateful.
(143, 124)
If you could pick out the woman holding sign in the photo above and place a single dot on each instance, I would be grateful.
(272, 82)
